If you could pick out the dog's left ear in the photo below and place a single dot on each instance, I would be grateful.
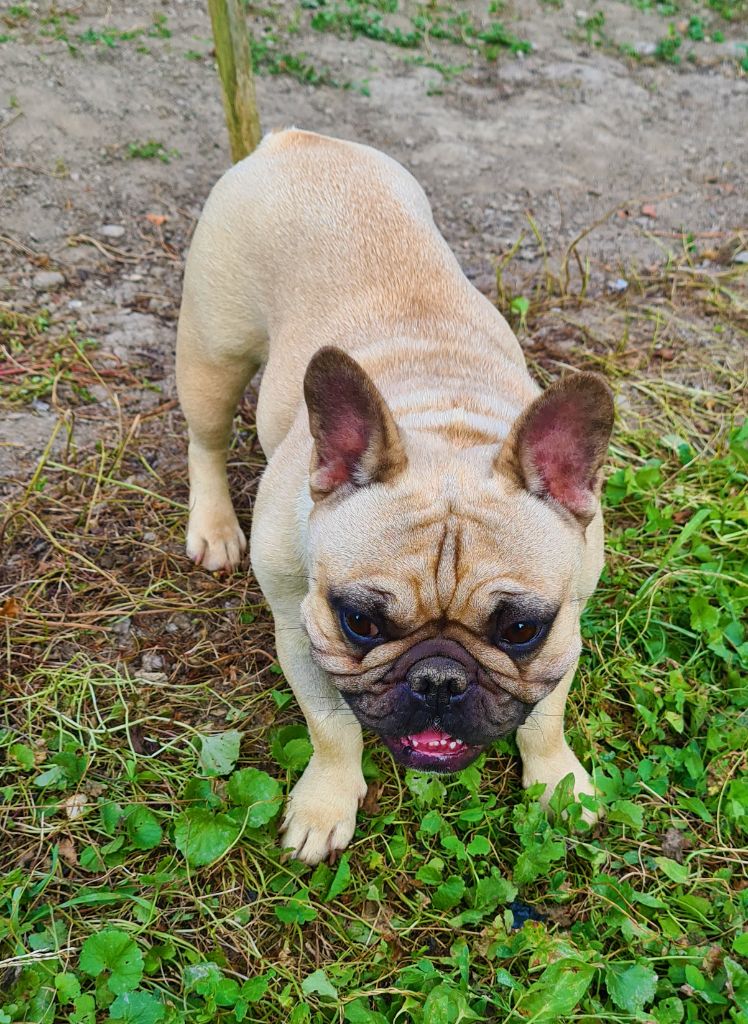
(356, 440)
(558, 444)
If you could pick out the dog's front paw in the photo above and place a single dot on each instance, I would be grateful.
(552, 771)
(321, 812)
(215, 541)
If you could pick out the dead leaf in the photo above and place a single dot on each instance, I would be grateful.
(66, 850)
(713, 960)
(370, 805)
(682, 516)
(666, 354)
(156, 218)
(675, 844)
(75, 805)
(10, 608)
(649, 211)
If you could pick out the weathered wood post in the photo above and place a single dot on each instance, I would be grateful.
(235, 69)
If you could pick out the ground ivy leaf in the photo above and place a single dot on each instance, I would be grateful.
(341, 879)
(23, 755)
(740, 944)
(557, 991)
(319, 982)
(297, 910)
(479, 846)
(675, 872)
(492, 891)
(85, 1010)
(445, 1004)
(202, 836)
(257, 791)
(137, 1008)
(627, 813)
(737, 983)
(143, 828)
(633, 988)
(114, 951)
(449, 893)
(68, 987)
(219, 753)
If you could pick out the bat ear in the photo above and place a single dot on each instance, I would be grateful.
(356, 440)
(558, 444)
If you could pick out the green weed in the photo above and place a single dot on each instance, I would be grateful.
(151, 150)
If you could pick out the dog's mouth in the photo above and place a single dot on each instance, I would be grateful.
(432, 750)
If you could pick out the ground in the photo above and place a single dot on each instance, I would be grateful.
(588, 168)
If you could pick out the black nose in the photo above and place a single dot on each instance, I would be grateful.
(438, 680)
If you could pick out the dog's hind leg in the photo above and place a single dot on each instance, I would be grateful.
(210, 382)
(546, 756)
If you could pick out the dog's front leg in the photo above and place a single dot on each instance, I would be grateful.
(546, 756)
(321, 811)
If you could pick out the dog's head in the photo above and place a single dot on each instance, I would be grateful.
(446, 586)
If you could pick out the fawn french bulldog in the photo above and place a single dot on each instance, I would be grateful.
(428, 526)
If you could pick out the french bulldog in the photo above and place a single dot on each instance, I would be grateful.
(428, 527)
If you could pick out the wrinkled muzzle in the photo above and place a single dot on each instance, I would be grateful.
(437, 707)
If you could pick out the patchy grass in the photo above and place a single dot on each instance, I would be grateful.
(147, 736)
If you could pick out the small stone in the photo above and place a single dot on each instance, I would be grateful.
(112, 230)
(151, 662)
(645, 49)
(149, 537)
(741, 257)
(75, 304)
(618, 284)
(47, 279)
(122, 627)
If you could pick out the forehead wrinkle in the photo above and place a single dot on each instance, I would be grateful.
(446, 562)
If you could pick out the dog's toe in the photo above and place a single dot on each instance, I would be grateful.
(217, 545)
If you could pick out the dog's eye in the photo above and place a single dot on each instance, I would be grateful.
(359, 627)
(522, 637)
(520, 633)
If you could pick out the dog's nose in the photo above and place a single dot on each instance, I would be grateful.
(438, 680)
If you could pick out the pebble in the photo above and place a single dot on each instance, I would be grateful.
(741, 257)
(619, 284)
(151, 662)
(47, 279)
(112, 231)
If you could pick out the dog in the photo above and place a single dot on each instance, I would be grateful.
(428, 527)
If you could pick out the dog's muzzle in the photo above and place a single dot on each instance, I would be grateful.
(436, 708)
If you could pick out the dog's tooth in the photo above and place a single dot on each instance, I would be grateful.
(442, 743)
(452, 745)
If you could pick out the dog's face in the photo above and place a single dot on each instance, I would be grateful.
(446, 586)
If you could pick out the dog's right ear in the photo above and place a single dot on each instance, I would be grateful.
(356, 440)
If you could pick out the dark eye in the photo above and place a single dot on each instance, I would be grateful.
(521, 637)
(519, 633)
(359, 627)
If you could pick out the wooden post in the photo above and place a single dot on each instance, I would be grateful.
(235, 69)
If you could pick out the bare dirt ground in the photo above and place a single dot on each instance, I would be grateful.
(566, 133)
